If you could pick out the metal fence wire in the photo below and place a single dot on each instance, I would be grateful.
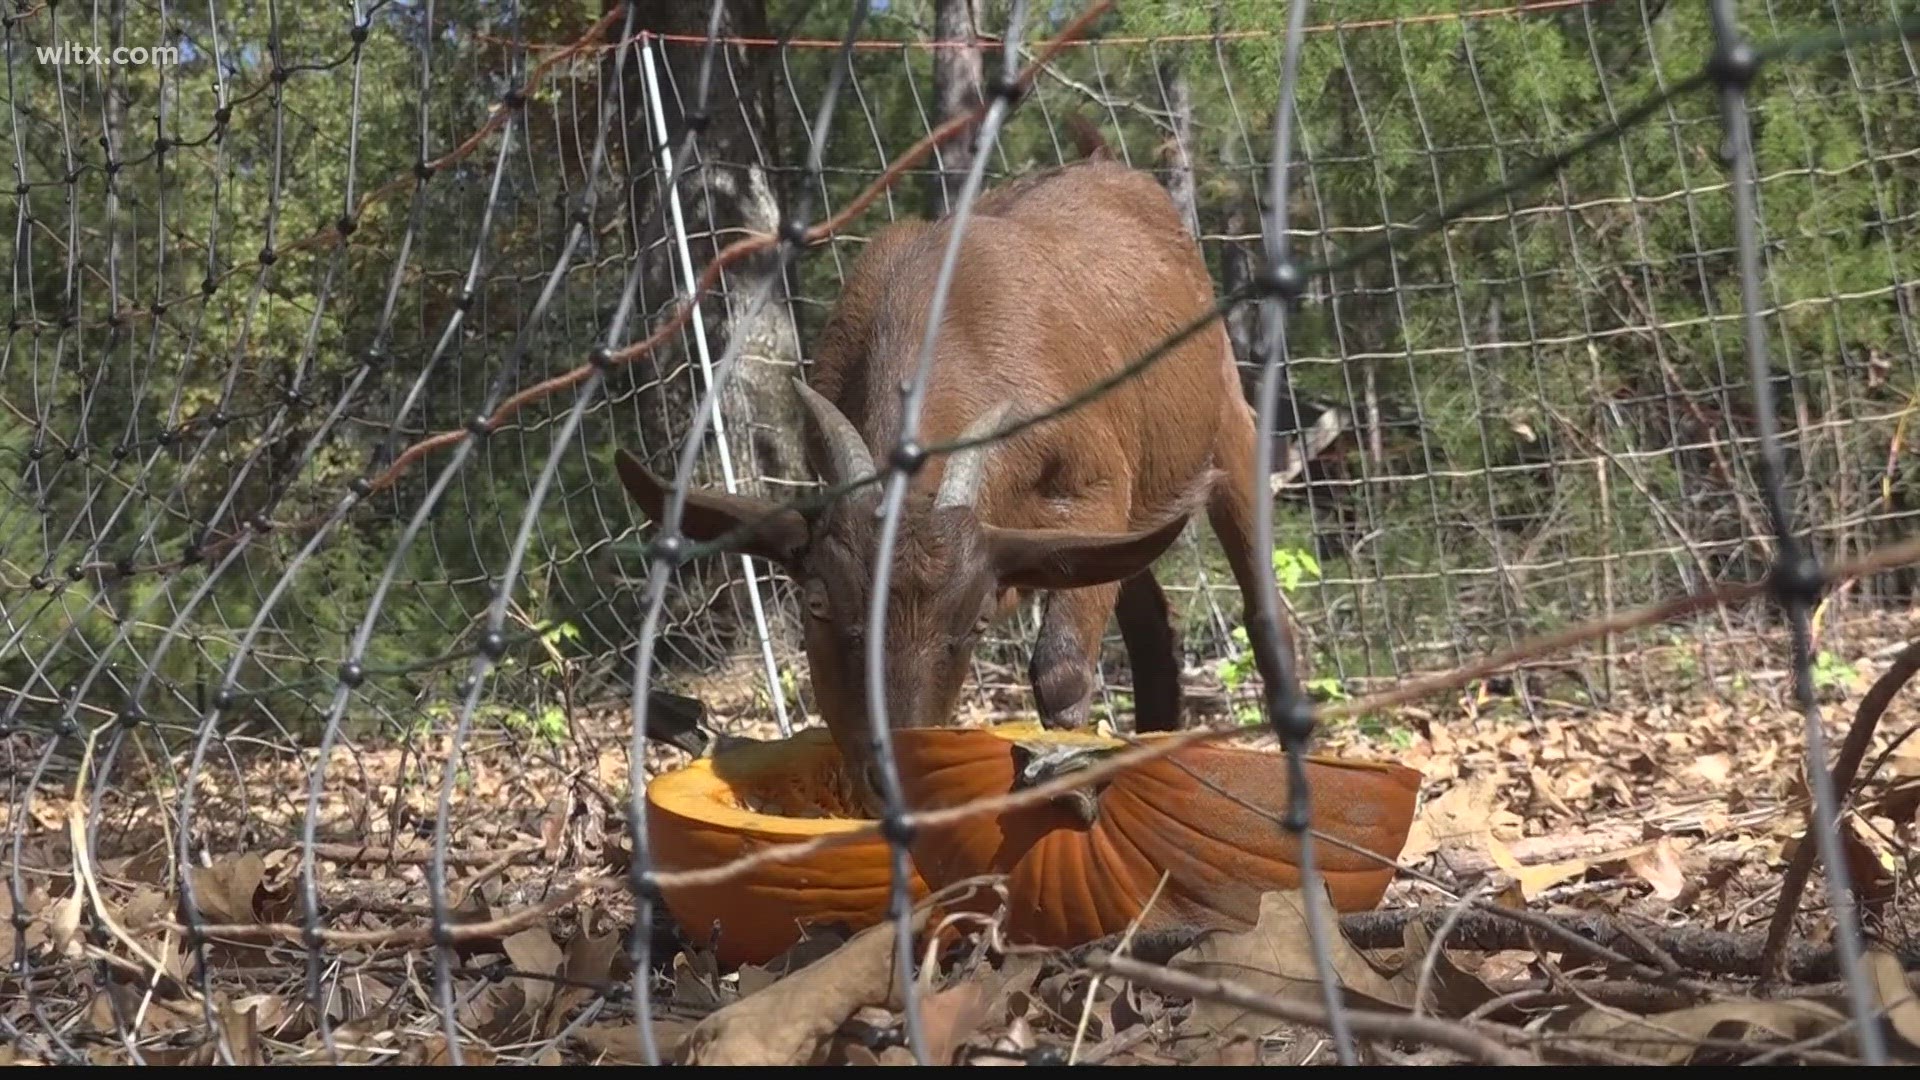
(1558, 320)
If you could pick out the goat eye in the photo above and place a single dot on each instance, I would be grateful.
(817, 604)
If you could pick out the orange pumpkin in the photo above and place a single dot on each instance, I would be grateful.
(752, 797)
(1069, 882)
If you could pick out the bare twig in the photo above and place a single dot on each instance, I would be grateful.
(1093, 987)
(379, 855)
(1485, 1043)
(1859, 737)
(1692, 948)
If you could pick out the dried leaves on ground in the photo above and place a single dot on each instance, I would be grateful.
(1658, 816)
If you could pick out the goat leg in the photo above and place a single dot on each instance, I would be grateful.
(1153, 651)
(1063, 668)
(1231, 513)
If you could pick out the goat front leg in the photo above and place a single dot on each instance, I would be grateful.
(1066, 655)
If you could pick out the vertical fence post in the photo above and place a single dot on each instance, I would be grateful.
(656, 107)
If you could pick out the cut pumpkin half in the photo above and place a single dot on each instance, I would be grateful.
(1207, 816)
(749, 798)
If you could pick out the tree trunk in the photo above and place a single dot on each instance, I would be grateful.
(1243, 322)
(956, 90)
(1178, 161)
(723, 190)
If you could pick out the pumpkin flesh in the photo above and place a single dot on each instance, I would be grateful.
(749, 798)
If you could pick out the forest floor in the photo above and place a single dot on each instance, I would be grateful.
(1659, 827)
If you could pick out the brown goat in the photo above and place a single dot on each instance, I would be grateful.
(1063, 278)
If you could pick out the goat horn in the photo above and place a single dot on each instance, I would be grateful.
(847, 457)
(966, 468)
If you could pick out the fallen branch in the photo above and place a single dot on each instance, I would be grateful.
(1696, 949)
(377, 855)
(1859, 737)
(1481, 1042)
(405, 935)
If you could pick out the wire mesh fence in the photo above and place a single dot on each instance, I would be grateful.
(324, 328)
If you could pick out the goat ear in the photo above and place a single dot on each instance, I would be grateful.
(774, 532)
(1061, 559)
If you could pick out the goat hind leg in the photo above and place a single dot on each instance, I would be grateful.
(1153, 651)
(1231, 513)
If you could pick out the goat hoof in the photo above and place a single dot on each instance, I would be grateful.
(1072, 718)
(1065, 696)
(1062, 687)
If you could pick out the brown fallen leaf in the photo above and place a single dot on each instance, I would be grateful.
(619, 1044)
(1904, 761)
(1537, 878)
(1901, 802)
(1715, 769)
(589, 960)
(1893, 995)
(270, 1011)
(816, 943)
(436, 1052)
(533, 951)
(1658, 864)
(696, 980)
(1873, 881)
(65, 936)
(1672, 1038)
(242, 1022)
(510, 1009)
(361, 1038)
(143, 909)
(786, 1023)
(224, 891)
(1450, 990)
(752, 978)
(553, 827)
(1016, 977)
(1275, 959)
(1461, 818)
(949, 1017)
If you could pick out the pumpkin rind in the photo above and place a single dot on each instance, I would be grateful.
(1068, 883)
(695, 821)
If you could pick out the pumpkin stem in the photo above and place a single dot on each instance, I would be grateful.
(1035, 763)
(680, 722)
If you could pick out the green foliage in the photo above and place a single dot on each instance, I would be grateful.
(1292, 568)
(547, 724)
(1558, 378)
(1831, 672)
(1113, 703)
